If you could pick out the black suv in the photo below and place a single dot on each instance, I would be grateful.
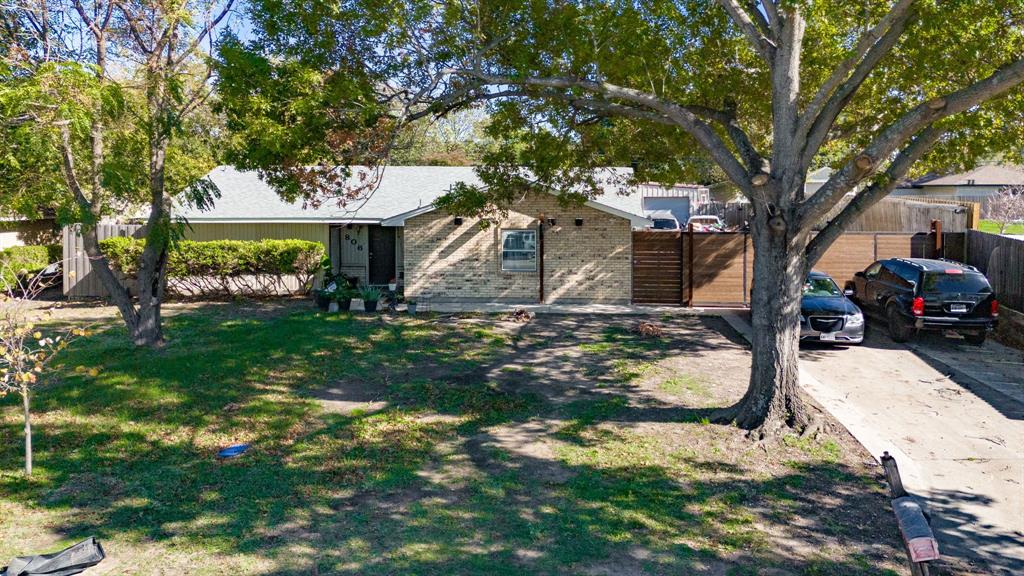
(920, 294)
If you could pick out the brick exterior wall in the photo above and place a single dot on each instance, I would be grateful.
(589, 263)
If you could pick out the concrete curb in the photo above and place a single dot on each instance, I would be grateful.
(913, 476)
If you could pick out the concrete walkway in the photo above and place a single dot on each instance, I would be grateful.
(958, 442)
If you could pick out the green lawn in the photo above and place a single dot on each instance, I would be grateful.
(992, 227)
(561, 446)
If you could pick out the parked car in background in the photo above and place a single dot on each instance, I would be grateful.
(663, 220)
(706, 223)
(913, 294)
(827, 315)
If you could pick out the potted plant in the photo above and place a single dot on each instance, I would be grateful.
(343, 298)
(393, 284)
(371, 296)
(323, 298)
(410, 305)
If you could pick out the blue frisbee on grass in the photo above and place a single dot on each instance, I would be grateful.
(233, 451)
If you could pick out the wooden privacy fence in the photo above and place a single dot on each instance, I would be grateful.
(716, 268)
(973, 206)
(79, 279)
(1001, 259)
(81, 282)
(899, 214)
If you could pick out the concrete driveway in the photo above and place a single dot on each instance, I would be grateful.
(953, 416)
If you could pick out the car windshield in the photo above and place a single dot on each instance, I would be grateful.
(821, 286)
(665, 224)
(963, 282)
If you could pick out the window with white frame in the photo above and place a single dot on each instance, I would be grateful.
(519, 250)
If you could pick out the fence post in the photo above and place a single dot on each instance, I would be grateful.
(892, 476)
(937, 230)
(689, 267)
(682, 269)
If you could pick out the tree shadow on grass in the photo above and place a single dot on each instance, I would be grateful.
(422, 486)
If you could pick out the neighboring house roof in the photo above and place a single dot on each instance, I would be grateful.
(986, 175)
(403, 192)
(820, 175)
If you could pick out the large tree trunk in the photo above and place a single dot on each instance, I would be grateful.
(152, 275)
(116, 291)
(772, 402)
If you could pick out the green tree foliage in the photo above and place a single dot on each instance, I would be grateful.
(104, 111)
(458, 139)
(31, 176)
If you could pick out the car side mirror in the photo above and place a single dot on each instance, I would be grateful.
(848, 292)
(859, 274)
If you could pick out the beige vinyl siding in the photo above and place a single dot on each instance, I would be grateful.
(207, 231)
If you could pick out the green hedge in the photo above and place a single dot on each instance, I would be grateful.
(26, 260)
(206, 266)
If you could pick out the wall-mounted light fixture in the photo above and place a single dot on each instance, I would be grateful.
(457, 221)
(552, 222)
(579, 221)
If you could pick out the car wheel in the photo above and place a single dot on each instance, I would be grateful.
(976, 338)
(899, 330)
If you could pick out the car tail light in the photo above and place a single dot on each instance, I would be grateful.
(918, 307)
(995, 308)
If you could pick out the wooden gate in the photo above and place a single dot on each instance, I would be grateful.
(658, 268)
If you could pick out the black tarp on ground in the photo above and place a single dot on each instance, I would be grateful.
(71, 560)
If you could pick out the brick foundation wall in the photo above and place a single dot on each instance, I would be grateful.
(588, 263)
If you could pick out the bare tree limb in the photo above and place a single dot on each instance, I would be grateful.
(871, 195)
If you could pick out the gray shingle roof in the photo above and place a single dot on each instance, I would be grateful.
(247, 198)
(985, 175)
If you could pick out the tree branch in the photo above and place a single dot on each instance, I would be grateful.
(867, 40)
(865, 164)
(210, 25)
(680, 115)
(68, 167)
(763, 45)
(773, 16)
(871, 195)
(839, 89)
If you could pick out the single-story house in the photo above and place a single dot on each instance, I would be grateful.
(974, 185)
(539, 250)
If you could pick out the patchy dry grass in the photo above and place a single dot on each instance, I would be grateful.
(457, 445)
